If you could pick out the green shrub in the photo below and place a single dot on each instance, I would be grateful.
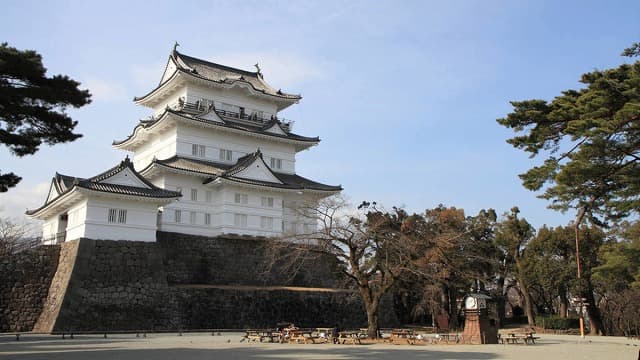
(556, 322)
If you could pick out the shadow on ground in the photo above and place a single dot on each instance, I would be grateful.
(94, 349)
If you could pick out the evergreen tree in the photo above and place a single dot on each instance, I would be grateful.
(32, 106)
(591, 141)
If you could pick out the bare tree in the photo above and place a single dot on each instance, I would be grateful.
(370, 245)
(15, 236)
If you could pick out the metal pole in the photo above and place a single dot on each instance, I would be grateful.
(580, 302)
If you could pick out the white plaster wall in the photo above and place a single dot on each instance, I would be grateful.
(162, 146)
(127, 178)
(170, 101)
(168, 71)
(140, 224)
(49, 229)
(239, 145)
(76, 217)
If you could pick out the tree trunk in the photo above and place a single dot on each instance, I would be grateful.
(500, 301)
(528, 304)
(453, 309)
(372, 323)
(564, 302)
(595, 318)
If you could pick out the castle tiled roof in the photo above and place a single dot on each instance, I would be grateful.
(214, 170)
(245, 127)
(221, 74)
(64, 184)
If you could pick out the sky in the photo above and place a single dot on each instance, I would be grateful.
(404, 94)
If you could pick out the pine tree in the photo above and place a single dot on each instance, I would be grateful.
(32, 106)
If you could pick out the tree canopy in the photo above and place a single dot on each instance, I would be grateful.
(32, 106)
(590, 139)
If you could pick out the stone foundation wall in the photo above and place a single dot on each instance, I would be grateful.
(191, 259)
(187, 282)
(24, 283)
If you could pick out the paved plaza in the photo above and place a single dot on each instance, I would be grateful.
(228, 346)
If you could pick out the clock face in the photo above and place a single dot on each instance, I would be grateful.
(471, 303)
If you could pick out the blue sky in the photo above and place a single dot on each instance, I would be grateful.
(403, 94)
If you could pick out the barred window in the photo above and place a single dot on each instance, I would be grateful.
(177, 216)
(207, 219)
(276, 163)
(198, 150)
(112, 215)
(192, 217)
(194, 194)
(117, 216)
(122, 216)
(209, 196)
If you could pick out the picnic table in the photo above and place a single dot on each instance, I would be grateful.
(302, 336)
(447, 337)
(260, 335)
(518, 337)
(349, 336)
(407, 335)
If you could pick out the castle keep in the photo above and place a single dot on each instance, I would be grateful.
(214, 158)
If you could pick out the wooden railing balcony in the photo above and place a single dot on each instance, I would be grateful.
(201, 106)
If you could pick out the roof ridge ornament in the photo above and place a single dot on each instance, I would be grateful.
(175, 47)
(257, 65)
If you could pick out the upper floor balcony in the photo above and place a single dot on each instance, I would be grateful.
(235, 113)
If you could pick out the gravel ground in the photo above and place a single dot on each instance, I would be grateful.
(228, 346)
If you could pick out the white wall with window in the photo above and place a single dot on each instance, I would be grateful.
(116, 219)
(225, 147)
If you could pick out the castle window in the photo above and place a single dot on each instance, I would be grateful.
(266, 222)
(192, 217)
(276, 163)
(194, 194)
(198, 150)
(225, 155)
(267, 202)
(112, 215)
(117, 216)
(241, 199)
(240, 220)
(209, 196)
(177, 216)
(207, 219)
(122, 216)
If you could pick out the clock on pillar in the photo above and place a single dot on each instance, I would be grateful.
(478, 328)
